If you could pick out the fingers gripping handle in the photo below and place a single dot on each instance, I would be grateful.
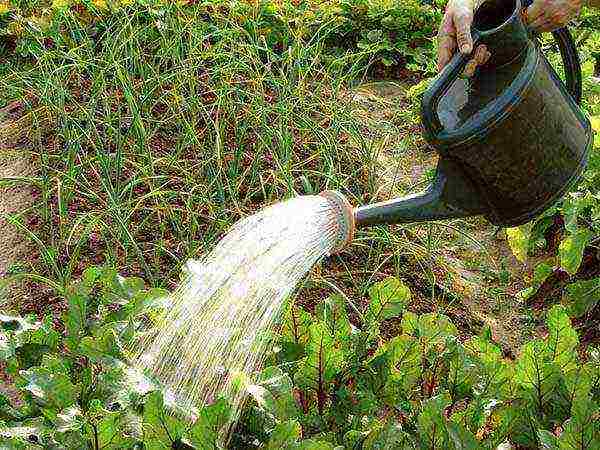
(570, 57)
(440, 86)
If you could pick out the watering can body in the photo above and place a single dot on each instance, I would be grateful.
(511, 139)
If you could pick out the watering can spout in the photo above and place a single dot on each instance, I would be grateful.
(448, 197)
(451, 195)
(425, 206)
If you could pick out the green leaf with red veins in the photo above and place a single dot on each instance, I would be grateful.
(433, 432)
(295, 332)
(404, 358)
(583, 296)
(296, 323)
(571, 250)
(430, 328)
(322, 363)
(388, 299)
(582, 430)
(332, 312)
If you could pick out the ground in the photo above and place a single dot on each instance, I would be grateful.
(463, 268)
(471, 262)
(16, 163)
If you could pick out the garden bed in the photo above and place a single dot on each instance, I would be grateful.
(139, 133)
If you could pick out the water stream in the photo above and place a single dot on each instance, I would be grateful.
(219, 321)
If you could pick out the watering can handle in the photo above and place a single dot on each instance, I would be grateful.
(570, 58)
(441, 84)
(571, 62)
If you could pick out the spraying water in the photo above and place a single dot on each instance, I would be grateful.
(220, 316)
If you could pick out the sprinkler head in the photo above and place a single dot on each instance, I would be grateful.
(345, 222)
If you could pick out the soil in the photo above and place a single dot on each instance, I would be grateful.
(15, 198)
(472, 265)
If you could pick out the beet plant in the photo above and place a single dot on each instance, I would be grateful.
(424, 388)
(331, 382)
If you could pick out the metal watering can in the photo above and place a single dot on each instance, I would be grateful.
(511, 140)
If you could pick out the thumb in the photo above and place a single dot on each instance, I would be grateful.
(463, 21)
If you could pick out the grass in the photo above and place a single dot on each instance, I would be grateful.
(162, 137)
(158, 131)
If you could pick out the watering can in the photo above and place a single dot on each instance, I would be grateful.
(511, 140)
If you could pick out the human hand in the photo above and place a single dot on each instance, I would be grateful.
(549, 15)
(455, 32)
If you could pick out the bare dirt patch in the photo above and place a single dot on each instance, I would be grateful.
(469, 261)
(16, 166)
(14, 198)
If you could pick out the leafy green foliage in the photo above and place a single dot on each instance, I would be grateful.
(392, 33)
(426, 389)
(77, 390)
(381, 33)
(24, 340)
(571, 250)
(388, 299)
(582, 296)
(336, 383)
(341, 388)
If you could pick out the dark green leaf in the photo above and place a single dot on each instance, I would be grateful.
(322, 362)
(548, 440)
(26, 435)
(161, 427)
(285, 435)
(388, 299)
(537, 377)
(432, 428)
(113, 430)
(50, 384)
(206, 434)
(274, 393)
(388, 436)
(461, 438)
(582, 430)
(583, 296)
(27, 339)
(75, 318)
(571, 250)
